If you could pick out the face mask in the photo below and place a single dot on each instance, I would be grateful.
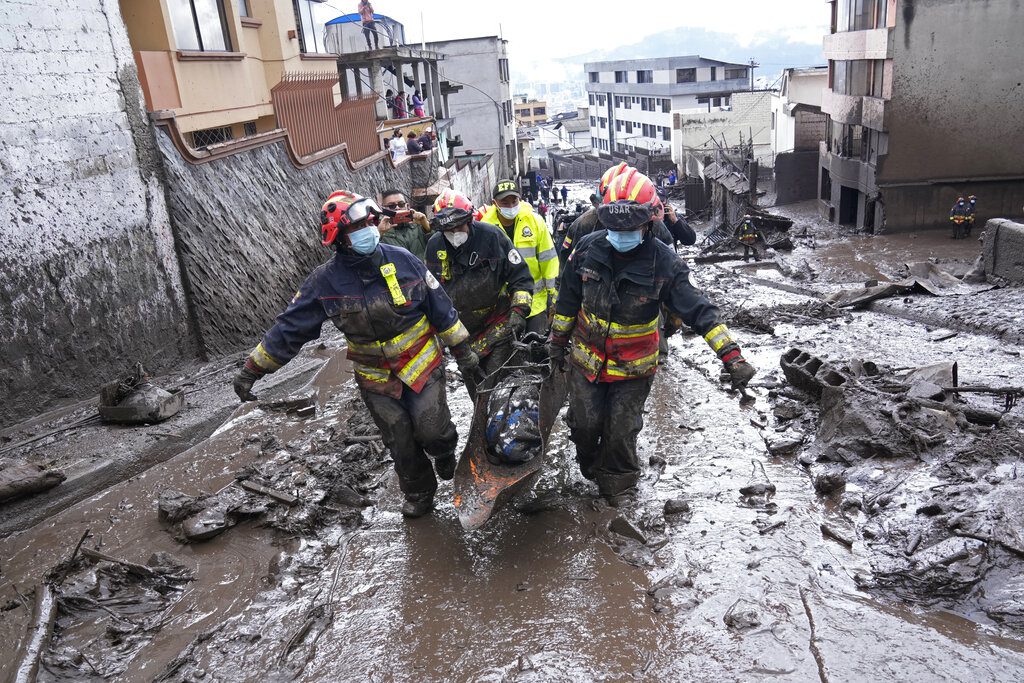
(625, 240)
(508, 212)
(364, 240)
(457, 239)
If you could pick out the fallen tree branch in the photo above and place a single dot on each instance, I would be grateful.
(37, 635)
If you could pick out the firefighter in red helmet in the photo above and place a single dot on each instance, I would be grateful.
(606, 325)
(395, 316)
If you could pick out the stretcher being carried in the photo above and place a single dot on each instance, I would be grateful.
(509, 434)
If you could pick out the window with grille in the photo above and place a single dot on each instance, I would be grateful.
(249, 128)
(199, 25)
(210, 136)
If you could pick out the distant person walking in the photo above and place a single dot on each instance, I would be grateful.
(565, 194)
(369, 24)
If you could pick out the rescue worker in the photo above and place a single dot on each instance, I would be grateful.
(606, 322)
(487, 279)
(529, 233)
(392, 312)
(958, 217)
(667, 227)
(746, 234)
(402, 226)
(972, 210)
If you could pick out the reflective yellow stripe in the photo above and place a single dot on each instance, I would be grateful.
(446, 266)
(397, 344)
(454, 335)
(632, 368)
(627, 331)
(522, 299)
(388, 270)
(263, 359)
(718, 337)
(419, 363)
(379, 375)
(562, 324)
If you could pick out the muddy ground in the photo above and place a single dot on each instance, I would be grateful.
(886, 549)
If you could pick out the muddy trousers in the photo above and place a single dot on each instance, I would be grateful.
(413, 427)
(489, 366)
(604, 420)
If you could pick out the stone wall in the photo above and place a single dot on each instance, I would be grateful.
(1004, 250)
(248, 231)
(91, 282)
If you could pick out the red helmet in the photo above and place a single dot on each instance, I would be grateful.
(451, 209)
(634, 186)
(343, 209)
(610, 175)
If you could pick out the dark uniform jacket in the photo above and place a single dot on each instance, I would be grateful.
(609, 305)
(588, 223)
(484, 277)
(391, 309)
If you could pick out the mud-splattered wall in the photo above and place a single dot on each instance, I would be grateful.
(90, 280)
(1004, 250)
(957, 108)
(248, 231)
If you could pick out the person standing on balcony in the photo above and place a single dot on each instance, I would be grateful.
(369, 24)
(417, 104)
(397, 320)
(400, 108)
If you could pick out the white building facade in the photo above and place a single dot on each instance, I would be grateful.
(631, 101)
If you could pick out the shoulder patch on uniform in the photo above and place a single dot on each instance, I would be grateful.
(514, 257)
(432, 281)
(527, 232)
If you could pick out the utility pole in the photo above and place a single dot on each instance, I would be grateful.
(753, 65)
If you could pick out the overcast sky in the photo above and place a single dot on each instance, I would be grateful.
(561, 28)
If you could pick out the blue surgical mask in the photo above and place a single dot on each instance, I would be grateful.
(365, 240)
(509, 212)
(625, 240)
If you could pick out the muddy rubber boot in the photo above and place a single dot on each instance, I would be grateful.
(625, 498)
(417, 504)
(444, 465)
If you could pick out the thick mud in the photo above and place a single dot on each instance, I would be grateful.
(748, 556)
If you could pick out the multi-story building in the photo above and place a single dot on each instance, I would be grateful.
(797, 129)
(479, 96)
(213, 63)
(529, 112)
(631, 101)
(923, 105)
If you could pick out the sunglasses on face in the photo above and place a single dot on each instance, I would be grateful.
(396, 205)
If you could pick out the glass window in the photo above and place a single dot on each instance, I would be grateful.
(842, 16)
(620, 77)
(199, 25)
(839, 76)
(731, 74)
(703, 100)
(863, 15)
(593, 76)
(243, 8)
(309, 40)
(591, 98)
(666, 133)
(666, 105)
(714, 73)
(877, 77)
(645, 76)
(686, 75)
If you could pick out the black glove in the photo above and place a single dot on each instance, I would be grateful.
(466, 359)
(556, 356)
(517, 322)
(243, 382)
(740, 372)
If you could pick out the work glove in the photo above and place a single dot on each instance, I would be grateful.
(244, 380)
(467, 360)
(740, 372)
(517, 322)
(556, 356)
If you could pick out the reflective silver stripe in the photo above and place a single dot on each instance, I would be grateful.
(542, 284)
(527, 252)
(547, 255)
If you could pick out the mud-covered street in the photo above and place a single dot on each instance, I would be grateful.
(847, 536)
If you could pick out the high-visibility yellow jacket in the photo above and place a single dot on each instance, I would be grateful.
(533, 241)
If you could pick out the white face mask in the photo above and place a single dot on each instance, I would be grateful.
(457, 239)
(508, 212)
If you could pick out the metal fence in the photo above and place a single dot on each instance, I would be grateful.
(304, 105)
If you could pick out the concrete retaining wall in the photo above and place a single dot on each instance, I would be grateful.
(248, 232)
(921, 207)
(90, 277)
(1004, 249)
